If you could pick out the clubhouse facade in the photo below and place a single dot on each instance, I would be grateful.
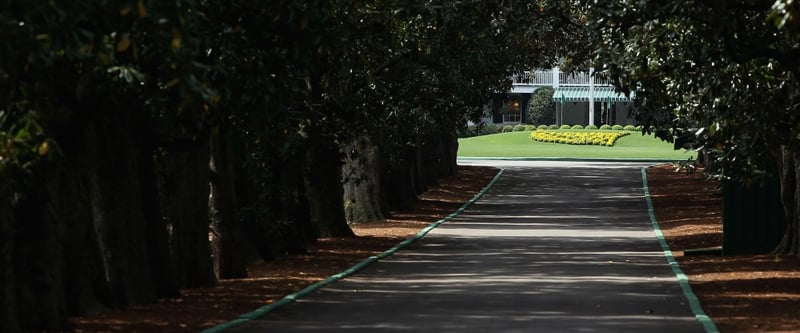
(580, 98)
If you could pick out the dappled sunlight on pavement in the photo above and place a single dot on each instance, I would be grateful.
(548, 249)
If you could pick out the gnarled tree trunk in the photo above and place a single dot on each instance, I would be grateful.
(363, 192)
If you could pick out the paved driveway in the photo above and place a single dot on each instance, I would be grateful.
(553, 247)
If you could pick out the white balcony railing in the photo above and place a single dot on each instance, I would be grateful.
(536, 78)
(547, 78)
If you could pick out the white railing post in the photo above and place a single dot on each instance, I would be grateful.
(556, 77)
(591, 96)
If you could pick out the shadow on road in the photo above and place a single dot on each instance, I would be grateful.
(546, 250)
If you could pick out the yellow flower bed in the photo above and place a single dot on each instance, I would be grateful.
(577, 137)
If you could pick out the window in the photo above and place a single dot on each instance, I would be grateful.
(511, 112)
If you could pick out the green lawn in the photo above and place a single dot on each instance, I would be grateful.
(519, 144)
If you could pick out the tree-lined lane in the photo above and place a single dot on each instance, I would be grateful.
(567, 248)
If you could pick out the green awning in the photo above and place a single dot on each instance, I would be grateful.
(581, 94)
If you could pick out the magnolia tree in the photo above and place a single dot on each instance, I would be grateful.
(132, 132)
(422, 73)
(730, 81)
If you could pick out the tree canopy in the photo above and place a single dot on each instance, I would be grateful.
(133, 131)
(166, 144)
(721, 72)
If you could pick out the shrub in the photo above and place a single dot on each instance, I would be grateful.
(617, 127)
(630, 128)
(541, 106)
(591, 127)
(466, 132)
(519, 128)
(473, 131)
(565, 126)
(530, 127)
(606, 127)
(508, 128)
(542, 127)
(552, 127)
(480, 129)
(577, 127)
(491, 129)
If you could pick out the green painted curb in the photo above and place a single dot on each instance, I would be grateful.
(572, 159)
(350, 271)
(683, 280)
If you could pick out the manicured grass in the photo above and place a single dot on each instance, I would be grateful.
(519, 144)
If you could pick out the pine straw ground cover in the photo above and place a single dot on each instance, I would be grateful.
(741, 293)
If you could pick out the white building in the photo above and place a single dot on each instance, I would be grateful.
(579, 98)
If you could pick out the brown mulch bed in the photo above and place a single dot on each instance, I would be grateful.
(740, 293)
(201, 308)
(759, 293)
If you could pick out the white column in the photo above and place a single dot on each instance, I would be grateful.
(556, 82)
(591, 96)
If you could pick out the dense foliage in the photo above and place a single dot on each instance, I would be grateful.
(721, 76)
(132, 131)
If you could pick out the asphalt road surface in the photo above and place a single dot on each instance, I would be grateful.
(552, 247)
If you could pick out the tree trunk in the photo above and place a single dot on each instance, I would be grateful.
(117, 209)
(8, 299)
(185, 190)
(157, 238)
(274, 209)
(424, 171)
(789, 169)
(324, 190)
(39, 261)
(414, 169)
(60, 275)
(229, 245)
(158, 251)
(85, 289)
(294, 204)
(400, 182)
(442, 152)
(449, 162)
(363, 194)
